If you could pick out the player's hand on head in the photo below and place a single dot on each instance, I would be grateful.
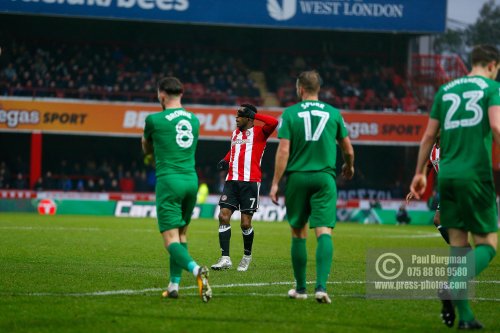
(247, 111)
(223, 165)
(273, 194)
(418, 185)
(347, 172)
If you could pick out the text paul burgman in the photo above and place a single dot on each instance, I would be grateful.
(435, 259)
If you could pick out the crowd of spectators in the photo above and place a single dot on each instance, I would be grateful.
(359, 85)
(135, 177)
(214, 77)
(123, 73)
(91, 176)
(105, 177)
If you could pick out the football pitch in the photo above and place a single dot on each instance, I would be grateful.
(101, 274)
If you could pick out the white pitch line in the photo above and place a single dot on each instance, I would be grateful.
(221, 286)
(52, 228)
(73, 229)
(421, 234)
(283, 295)
(433, 235)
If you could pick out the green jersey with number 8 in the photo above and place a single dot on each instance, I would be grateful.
(461, 106)
(174, 133)
(312, 128)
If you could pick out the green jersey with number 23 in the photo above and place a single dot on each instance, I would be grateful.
(461, 106)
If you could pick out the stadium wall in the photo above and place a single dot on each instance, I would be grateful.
(77, 117)
(143, 206)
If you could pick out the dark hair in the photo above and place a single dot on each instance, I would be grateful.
(483, 54)
(249, 106)
(310, 81)
(171, 85)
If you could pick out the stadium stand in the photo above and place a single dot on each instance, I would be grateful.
(127, 73)
(119, 73)
(358, 85)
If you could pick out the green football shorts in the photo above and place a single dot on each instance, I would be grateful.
(311, 197)
(175, 200)
(468, 205)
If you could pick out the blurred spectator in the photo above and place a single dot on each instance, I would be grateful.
(80, 185)
(402, 215)
(49, 182)
(39, 184)
(63, 168)
(151, 176)
(4, 173)
(141, 181)
(20, 182)
(202, 194)
(90, 187)
(101, 185)
(10, 73)
(114, 187)
(127, 183)
(90, 169)
(3, 182)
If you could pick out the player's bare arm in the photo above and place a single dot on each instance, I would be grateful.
(281, 162)
(147, 146)
(419, 181)
(348, 155)
(494, 116)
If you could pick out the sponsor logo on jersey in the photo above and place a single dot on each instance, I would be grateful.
(240, 141)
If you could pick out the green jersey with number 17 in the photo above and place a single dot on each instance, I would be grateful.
(312, 128)
(174, 133)
(461, 106)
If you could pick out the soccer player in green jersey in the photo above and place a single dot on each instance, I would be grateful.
(172, 136)
(467, 111)
(308, 134)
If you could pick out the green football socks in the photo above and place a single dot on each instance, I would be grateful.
(175, 269)
(181, 256)
(299, 262)
(324, 256)
(481, 257)
(483, 254)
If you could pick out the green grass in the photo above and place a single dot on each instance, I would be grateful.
(48, 264)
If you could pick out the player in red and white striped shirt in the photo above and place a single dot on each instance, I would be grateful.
(434, 163)
(241, 190)
(434, 156)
